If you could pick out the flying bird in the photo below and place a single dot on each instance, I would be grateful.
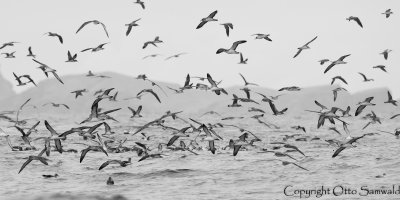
(95, 49)
(245, 82)
(356, 19)
(276, 111)
(7, 44)
(20, 83)
(46, 69)
(337, 62)
(56, 105)
(304, 47)
(385, 53)
(390, 99)
(30, 54)
(9, 55)
(243, 61)
(136, 113)
(55, 35)
(95, 22)
(119, 162)
(154, 42)
(79, 92)
(348, 144)
(227, 26)
(231, 50)
(262, 36)
(363, 104)
(340, 78)
(207, 19)
(365, 77)
(381, 67)
(71, 58)
(151, 92)
(141, 3)
(387, 13)
(175, 56)
(152, 55)
(323, 61)
(291, 88)
(130, 25)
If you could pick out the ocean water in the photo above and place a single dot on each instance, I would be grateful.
(373, 164)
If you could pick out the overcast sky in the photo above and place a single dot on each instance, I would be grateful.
(289, 23)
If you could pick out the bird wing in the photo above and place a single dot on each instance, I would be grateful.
(358, 21)
(360, 109)
(329, 67)
(311, 40)
(389, 96)
(25, 164)
(155, 95)
(201, 24)
(340, 149)
(60, 38)
(236, 44)
(226, 29)
(212, 14)
(57, 77)
(343, 57)
(211, 81)
(172, 140)
(298, 52)
(394, 116)
(363, 75)
(342, 79)
(129, 30)
(187, 81)
(273, 108)
(84, 152)
(83, 25)
(86, 49)
(105, 29)
(245, 82)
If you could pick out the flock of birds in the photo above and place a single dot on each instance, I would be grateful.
(199, 136)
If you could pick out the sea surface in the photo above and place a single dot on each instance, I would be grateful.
(373, 164)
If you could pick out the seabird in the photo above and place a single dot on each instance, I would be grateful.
(276, 111)
(95, 22)
(387, 13)
(94, 113)
(151, 92)
(245, 82)
(373, 119)
(385, 53)
(154, 42)
(323, 61)
(141, 3)
(299, 128)
(55, 35)
(71, 58)
(46, 69)
(214, 86)
(8, 44)
(381, 67)
(120, 162)
(95, 49)
(235, 102)
(180, 133)
(227, 26)
(340, 78)
(262, 36)
(291, 88)
(337, 62)
(356, 19)
(9, 55)
(152, 55)
(284, 163)
(20, 83)
(348, 144)
(231, 50)
(252, 109)
(130, 25)
(30, 54)
(175, 56)
(304, 47)
(110, 181)
(335, 92)
(79, 92)
(365, 77)
(207, 19)
(390, 99)
(56, 105)
(363, 104)
(136, 113)
(31, 158)
(243, 61)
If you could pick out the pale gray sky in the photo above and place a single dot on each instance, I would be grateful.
(290, 23)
